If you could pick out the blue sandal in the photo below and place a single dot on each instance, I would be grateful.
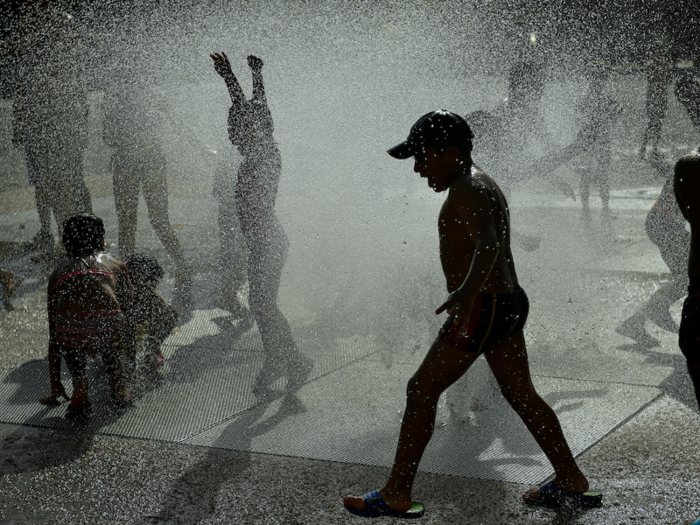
(375, 506)
(553, 496)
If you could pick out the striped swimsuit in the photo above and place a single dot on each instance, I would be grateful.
(90, 332)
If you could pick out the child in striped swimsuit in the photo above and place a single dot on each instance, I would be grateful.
(89, 301)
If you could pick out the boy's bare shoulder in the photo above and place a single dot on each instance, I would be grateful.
(477, 186)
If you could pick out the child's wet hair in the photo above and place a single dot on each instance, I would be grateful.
(143, 268)
(82, 235)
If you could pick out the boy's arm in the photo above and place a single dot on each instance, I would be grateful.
(473, 206)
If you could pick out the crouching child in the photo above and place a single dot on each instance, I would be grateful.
(153, 317)
(88, 299)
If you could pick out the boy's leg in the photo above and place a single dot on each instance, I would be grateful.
(442, 366)
(509, 363)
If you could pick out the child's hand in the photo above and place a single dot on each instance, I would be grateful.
(57, 391)
(222, 64)
(254, 63)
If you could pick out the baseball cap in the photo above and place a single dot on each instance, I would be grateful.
(437, 129)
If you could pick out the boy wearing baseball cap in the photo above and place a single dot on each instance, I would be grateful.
(487, 311)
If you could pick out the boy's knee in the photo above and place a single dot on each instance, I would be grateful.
(419, 392)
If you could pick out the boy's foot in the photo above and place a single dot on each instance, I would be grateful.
(373, 505)
(551, 495)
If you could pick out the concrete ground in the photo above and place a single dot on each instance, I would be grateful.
(267, 463)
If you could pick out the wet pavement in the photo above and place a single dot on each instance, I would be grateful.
(198, 448)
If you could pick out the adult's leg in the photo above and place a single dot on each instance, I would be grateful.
(673, 242)
(155, 193)
(43, 240)
(125, 182)
(509, 363)
(586, 178)
(442, 366)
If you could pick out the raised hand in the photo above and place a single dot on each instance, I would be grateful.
(222, 64)
(255, 63)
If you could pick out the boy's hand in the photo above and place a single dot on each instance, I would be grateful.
(222, 64)
(458, 304)
(255, 63)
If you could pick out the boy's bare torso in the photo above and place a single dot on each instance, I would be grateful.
(475, 208)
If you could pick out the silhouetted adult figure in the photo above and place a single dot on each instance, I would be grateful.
(687, 91)
(658, 73)
(131, 126)
(665, 227)
(599, 114)
(507, 129)
(250, 128)
(686, 183)
(50, 114)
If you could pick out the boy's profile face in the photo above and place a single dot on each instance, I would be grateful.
(439, 168)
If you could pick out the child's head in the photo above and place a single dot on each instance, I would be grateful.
(144, 271)
(83, 235)
(439, 130)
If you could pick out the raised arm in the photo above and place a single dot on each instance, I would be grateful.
(256, 65)
(223, 68)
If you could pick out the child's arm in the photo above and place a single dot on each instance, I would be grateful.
(256, 65)
(223, 68)
(57, 389)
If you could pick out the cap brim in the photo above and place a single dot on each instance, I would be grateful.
(401, 151)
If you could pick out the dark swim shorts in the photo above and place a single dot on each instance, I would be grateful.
(494, 317)
(689, 332)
